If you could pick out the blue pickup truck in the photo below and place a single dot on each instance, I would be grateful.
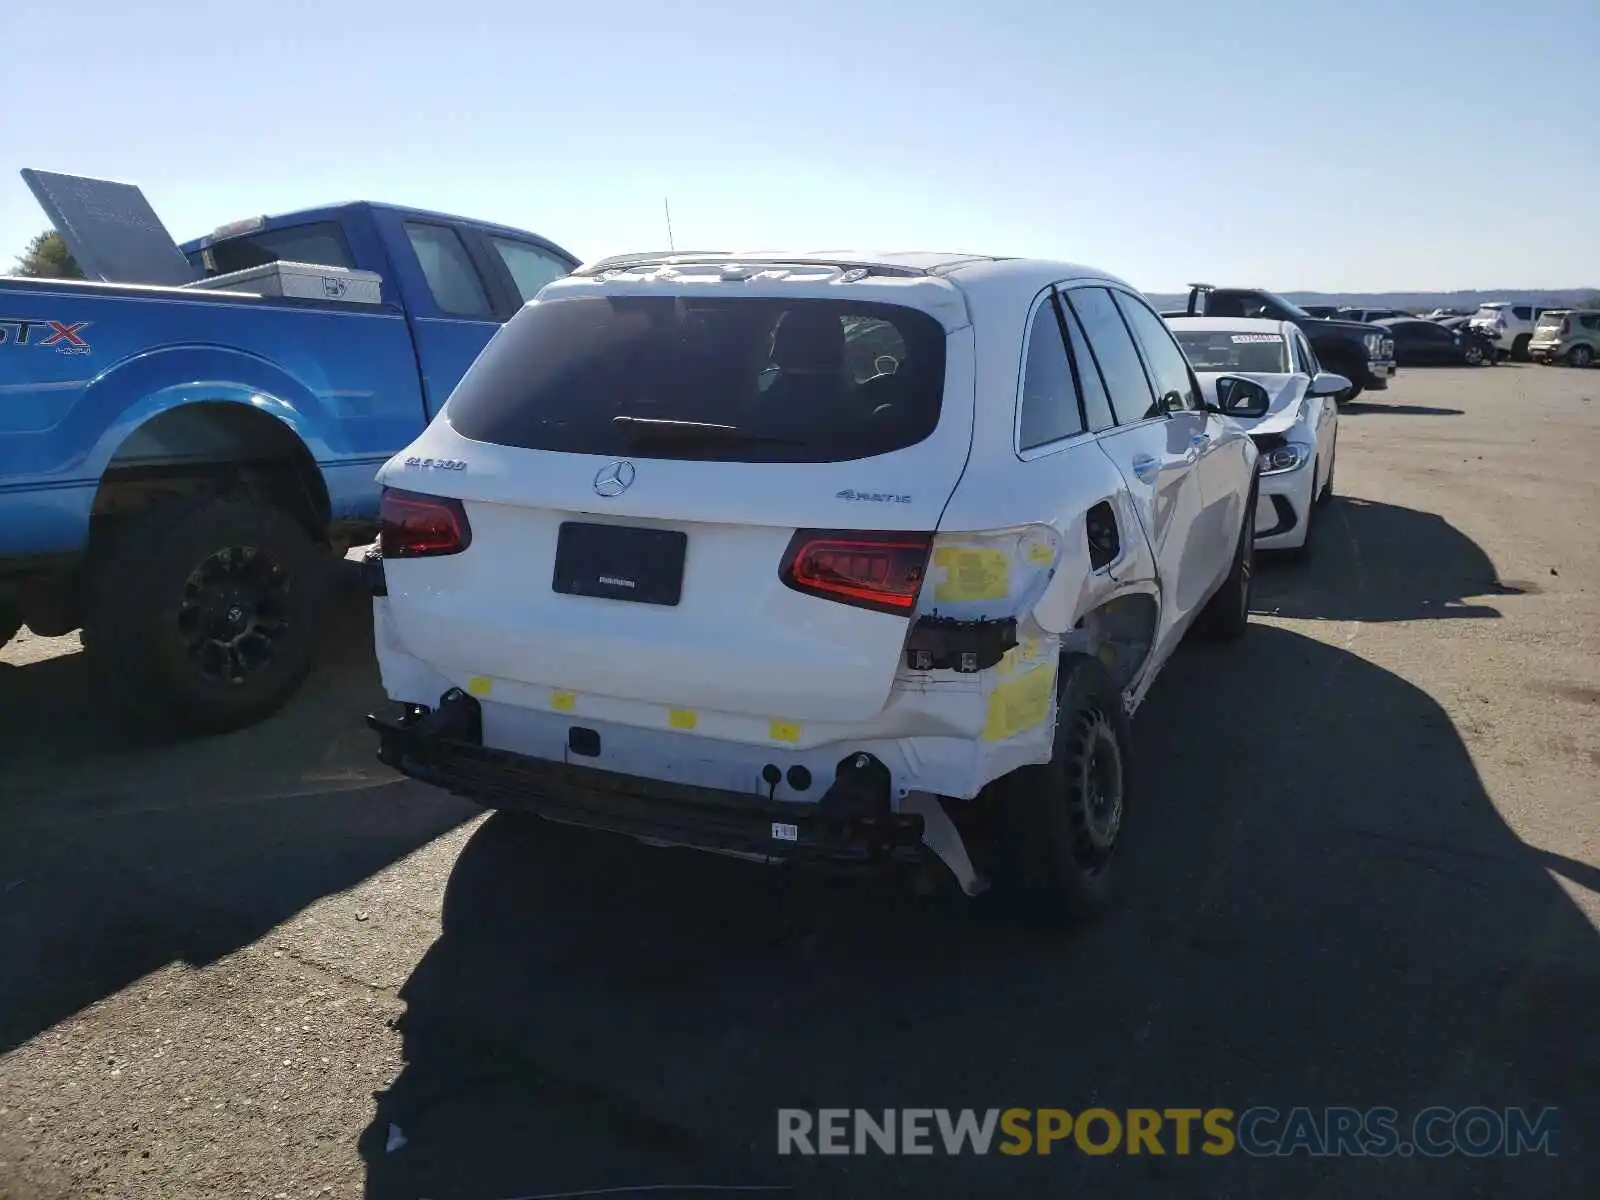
(180, 466)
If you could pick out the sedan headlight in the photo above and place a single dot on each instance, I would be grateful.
(1285, 456)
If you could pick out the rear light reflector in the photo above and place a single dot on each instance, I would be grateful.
(868, 569)
(412, 525)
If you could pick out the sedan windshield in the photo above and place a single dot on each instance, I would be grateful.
(1220, 350)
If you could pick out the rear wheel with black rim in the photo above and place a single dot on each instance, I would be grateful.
(1061, 826)
(204, 613)
(1519, 347)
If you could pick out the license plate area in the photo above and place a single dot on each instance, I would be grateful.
(620, 562)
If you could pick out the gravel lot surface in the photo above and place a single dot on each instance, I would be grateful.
(1366, 875)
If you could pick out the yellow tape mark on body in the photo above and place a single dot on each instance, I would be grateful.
(972, 574)
(682, 718)
(563, 701)
(1019, 703)
(1041, 554)
(783, 731)
(480, 685)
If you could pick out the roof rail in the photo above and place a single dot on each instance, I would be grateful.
(674, 258)
(644, 258)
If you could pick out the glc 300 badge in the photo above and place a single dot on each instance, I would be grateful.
(434, 464)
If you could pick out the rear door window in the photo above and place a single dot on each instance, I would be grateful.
(1522, 312)
(320, 242)
(452, 278)
(1096, 403)
(739, 380)
(1049, 397)
(1131, 397)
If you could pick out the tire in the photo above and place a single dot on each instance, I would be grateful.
(1580, 357)
(1355, 390)
(1227, 614)
(1325, 496)
(1519, 347)
(1060, 827)
(204, 614)
(1474, 355)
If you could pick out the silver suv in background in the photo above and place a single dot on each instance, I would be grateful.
(1508, 325)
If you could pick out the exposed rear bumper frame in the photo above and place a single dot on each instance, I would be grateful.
(852, 824)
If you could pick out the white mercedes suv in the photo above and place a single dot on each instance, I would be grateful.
(863, 558)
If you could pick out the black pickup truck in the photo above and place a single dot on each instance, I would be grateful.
(1362, 353)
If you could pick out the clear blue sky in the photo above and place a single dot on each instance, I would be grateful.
(1347, 145)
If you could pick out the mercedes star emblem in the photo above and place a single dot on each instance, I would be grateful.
(614, 479)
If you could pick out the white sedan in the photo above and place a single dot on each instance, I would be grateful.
(1299, 435)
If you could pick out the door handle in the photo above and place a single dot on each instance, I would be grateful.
(1146, 468)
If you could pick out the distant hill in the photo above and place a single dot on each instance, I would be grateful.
(1422, 301)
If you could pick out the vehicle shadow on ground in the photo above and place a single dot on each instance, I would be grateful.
(1323, 907)
(119, 856)
(1382, 562)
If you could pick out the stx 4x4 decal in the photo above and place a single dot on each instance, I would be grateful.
(25, 331)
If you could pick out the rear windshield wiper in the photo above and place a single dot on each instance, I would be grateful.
(657, 429)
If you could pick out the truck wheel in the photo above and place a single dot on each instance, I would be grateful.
(1060, 826)
(1227, 614)
(1356, 388)
(205, 613)
(1519, 348)
(1580, 357)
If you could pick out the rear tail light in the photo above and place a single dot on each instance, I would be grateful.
(412, 525)
(867, 569)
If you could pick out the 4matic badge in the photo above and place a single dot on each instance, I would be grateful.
(25, 331)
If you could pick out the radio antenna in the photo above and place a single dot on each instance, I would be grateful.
(666, 206)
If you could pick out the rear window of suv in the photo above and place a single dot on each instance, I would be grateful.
(733, 380)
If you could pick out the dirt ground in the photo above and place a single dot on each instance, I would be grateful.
(1365, 874)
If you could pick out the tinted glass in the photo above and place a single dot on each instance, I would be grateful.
(1308, 356)
(747, 380)
(1174, 384)
(1049, 398)
(452, 278)
(1131, 398)
(321, 243)
(531, 267)
(1214, 350)
(1522, 312)
(1093, 389)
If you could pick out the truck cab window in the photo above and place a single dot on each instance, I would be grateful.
(321, 243)
(531, 267)
(452, 278)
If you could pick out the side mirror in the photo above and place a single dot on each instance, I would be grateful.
(1242, 398)
(1327, 383)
